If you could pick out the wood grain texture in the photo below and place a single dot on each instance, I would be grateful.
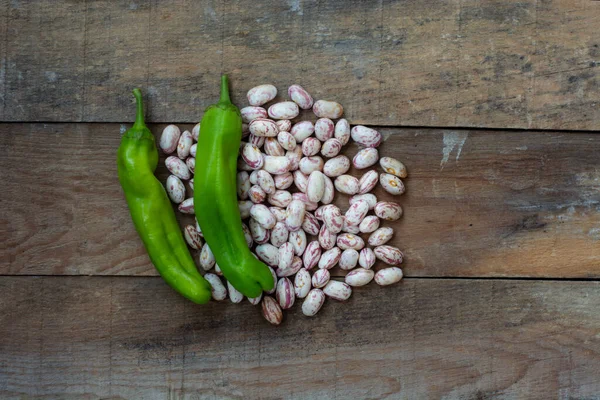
(473, 63)
(478, 203)
(119, 338)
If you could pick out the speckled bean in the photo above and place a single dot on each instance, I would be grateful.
(265, 181)
(258, 141)
(207, 259)
(312, 255)
(342, 131)
(366, 136)
(286, 256)
(261, 94)
(310, 205)
(300, 180)
(300, 96)
(268, 253)
(273, 148)
(310, 164)
(381, 236)
(392, 184)
(271, 310)
(284, 181)
(313, 302)
(175, 189)
(332, 218)
(298, 240)
(311, 146)
(350, 241)
(348, 259)
(324, 129)
(276, 165)
(279, 213)
(328, 109)
(294, 156)
(244, 206)
(292, 269)
(366, 258)
(284, 110)
(259, 234)
(388, 276)
(368, 197)
(252, 156)
(330, 258)
(302, 130)
(284, 125)
(310, 224)
(169, 139)
(218, 290)
(285, 293)
(251, 113)
(338, 290)
(369, 224)
(346, 184)
(247, 235)
(315, 187)
(326, 237)
(388, 211)
(256, 194)
(177, 167)
(286, 140)
(184, 145)
(368, 181)
(234, 295)
(187, 206)
(196, 132)
(279, 234)
(357, 212)
(392, 166)
(281, 198)
(190, 162)
(263, 127)
(359, 277)
(192, 237)
(320, 278)
(331, 147)
(389, 254)
(336, 166)
(295, 215)
(329, 192)
(302, 283)
(365, 158)
(263, 216)
(243, 185)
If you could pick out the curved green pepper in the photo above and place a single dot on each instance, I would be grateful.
(215, 198)
(152, 213)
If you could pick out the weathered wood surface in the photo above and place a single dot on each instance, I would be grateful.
(478, 203)
(119, 338)
(519, 64)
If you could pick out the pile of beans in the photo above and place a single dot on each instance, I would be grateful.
(288, 176)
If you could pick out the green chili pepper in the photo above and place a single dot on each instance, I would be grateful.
(152, 213)
(215, 198)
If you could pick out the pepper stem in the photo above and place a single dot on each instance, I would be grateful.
(224, 90)
(139, 115)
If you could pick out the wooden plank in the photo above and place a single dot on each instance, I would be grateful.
(44, 56)
(478, 203)
(477, 63)
(428, 338)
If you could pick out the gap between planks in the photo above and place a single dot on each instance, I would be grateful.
(338, 277)
(374, 126)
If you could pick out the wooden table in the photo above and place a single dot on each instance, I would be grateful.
(492, 105)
